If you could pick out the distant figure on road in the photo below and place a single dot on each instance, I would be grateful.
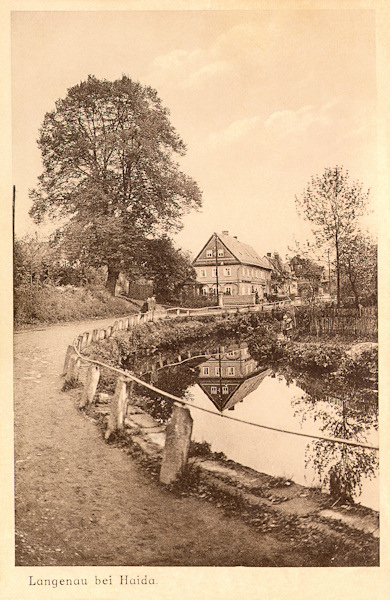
(287, 326)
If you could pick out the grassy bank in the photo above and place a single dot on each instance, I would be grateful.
(50, 304)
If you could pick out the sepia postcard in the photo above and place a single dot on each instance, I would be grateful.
(195, 320)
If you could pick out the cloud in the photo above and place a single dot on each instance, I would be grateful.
(223, 55)
(286, 123)
(205, 73)
(280, 124)
(172, 60)
(235, 131)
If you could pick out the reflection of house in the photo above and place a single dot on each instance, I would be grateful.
(228, 377)
(283, 279)
(237, 268)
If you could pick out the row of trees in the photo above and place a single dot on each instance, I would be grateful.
(38, 263)
(112, 184)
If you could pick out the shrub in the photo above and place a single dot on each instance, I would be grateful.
(52, 304)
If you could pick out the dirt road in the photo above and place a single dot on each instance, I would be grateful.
(80, 501)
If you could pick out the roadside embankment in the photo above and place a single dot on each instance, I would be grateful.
(46, 304)
(271, 504)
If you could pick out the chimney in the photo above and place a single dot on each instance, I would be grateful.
(269, 254)
(235, 237)
(225, 233)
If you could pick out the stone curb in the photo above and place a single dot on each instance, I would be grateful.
(287, 498)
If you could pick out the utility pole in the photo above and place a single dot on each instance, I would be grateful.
(216, 266)
(13, 211)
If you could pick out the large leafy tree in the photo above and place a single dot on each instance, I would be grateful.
(170, 268)
(359, 263)
(110, 173)
(333, 204)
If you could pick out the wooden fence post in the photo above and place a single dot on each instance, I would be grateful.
(130, 388)
(84, 342)
(91, 384)
(177, 444)
(118, 407)
(69, 353)
(79, 343)
(72, 372)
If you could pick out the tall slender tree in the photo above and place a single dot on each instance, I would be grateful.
(360, 268)
(333, 205)
(109, 172)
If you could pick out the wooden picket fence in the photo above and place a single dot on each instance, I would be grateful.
(359, 326)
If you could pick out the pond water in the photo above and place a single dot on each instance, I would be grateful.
(232, 384)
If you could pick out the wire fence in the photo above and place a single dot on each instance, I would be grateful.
(132, 377)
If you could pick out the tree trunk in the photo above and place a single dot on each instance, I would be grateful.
(112, 277)
(338, 271)
(355, 293)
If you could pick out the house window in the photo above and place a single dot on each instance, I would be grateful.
(209, 253)
(206, 371)
(203, 273)
(220, 252)
(230, 371)
(228, 290)
(217, 371)
(214, 389)
(225, 389)
(214, 271)
(205, 291)
(231, 353)
(227, 271)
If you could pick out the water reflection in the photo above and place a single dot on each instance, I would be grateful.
(345, 412)
(228, 378)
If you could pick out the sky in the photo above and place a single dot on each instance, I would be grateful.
(263, 99)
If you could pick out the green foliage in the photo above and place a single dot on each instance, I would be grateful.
(51, 304)
(361, 368)
(345, 410)
(170, 269)
(333, 205)
(316, 356)
(359, 262)
(108, 153)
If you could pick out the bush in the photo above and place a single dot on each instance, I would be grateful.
(51, 304)
(317, 356)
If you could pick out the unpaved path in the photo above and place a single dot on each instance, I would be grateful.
(80, 501)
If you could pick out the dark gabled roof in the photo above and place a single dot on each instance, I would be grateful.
(242, 252)
(244, 387)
